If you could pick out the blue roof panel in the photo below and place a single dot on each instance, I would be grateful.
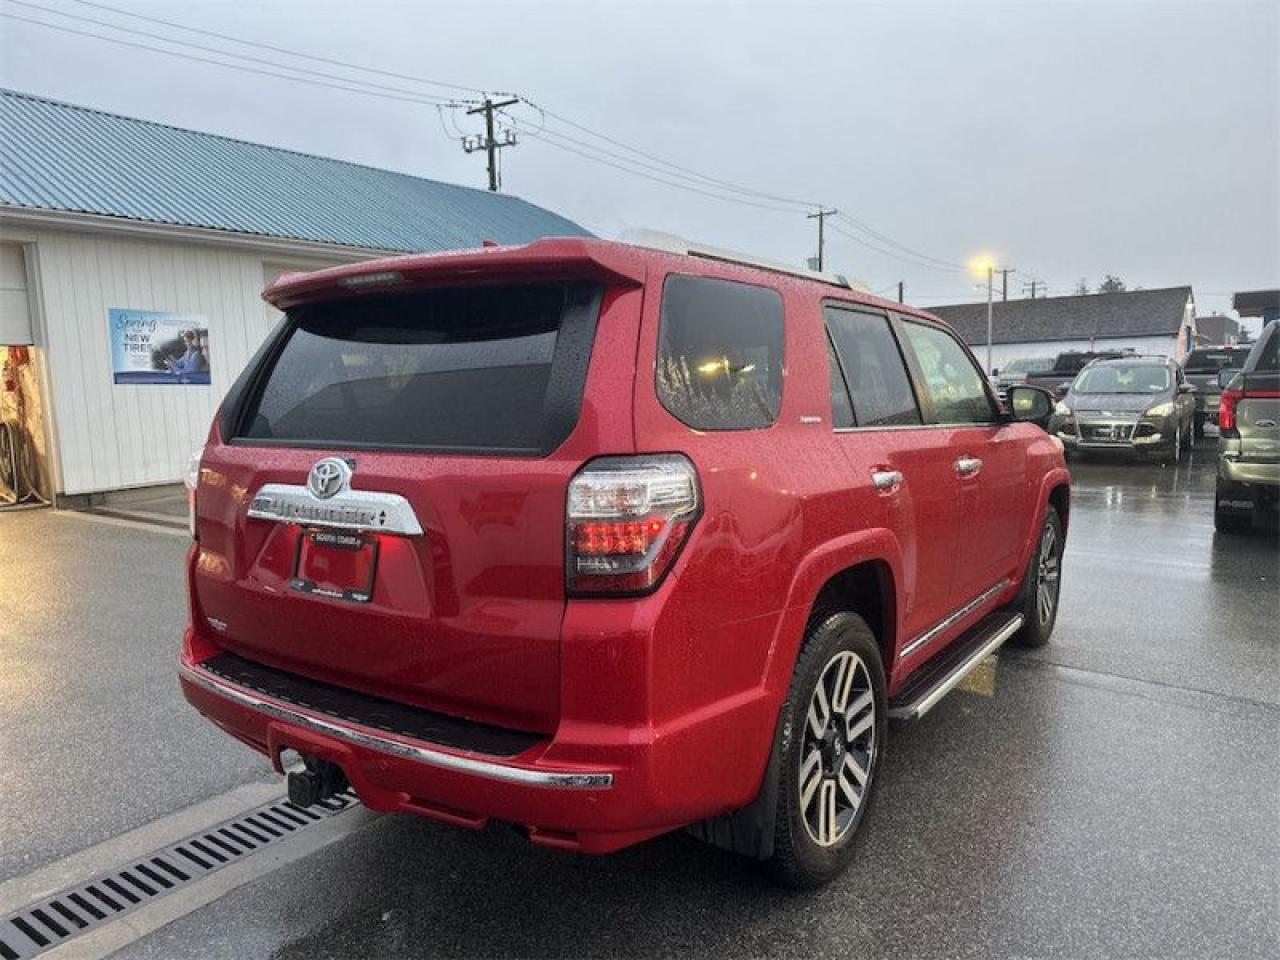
(58, 156)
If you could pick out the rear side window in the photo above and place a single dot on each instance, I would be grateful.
(873, 368)
(720, 347)
(1211, 361)
(953, 382)
(497, 368)
(1269, 358)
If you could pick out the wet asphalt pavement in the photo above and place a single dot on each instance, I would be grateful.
(1116, 793)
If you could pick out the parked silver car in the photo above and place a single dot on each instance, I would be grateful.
(1136, 404)
(1249, 431)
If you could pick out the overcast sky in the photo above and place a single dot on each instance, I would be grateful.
(1070, 139)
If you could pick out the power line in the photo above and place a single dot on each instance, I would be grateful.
(647, 176)
(661, 170)
(714, 181)
(554, 138)
(893, 255)
(274, 49)
(883, 238)
(180, 54)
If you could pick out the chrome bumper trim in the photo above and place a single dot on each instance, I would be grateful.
(362, 510)
(397, 748)
(954, 616)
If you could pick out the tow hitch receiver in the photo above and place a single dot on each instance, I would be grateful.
(311, 779)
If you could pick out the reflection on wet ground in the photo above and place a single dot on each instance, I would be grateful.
(1115, 793)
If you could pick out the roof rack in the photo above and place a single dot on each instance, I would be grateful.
(670, 243)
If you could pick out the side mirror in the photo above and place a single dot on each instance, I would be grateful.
(1226, 375)
(1186, 388)
(1031, 405)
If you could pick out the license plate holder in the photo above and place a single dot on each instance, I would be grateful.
(337, 565)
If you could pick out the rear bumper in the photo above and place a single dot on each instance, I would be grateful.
(381, 742)
(1248, 472)
(589, 788)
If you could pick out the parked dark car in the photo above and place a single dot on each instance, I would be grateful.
(1142, 405)
(1202, 367)
(1057, 379)
(1249, 437)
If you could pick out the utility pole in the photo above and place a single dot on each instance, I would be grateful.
(1033, 286)
(991, 269)
(900, 297)
(821, 217)
(1004, 282)
(487, 143)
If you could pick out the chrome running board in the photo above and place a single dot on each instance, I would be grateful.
(934, 680)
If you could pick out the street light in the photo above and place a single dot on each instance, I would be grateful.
(985, 263)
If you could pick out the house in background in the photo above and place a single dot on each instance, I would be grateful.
(1145, 321)
(1218, 331)
(132, 260)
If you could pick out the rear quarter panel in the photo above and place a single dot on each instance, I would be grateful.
(780, 516)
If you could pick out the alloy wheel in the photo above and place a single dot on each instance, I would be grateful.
(1047, 574)
(838, 749)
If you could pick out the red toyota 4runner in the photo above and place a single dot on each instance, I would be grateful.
(607, 540)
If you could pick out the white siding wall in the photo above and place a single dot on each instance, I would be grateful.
(1002, 353)
(111, 436)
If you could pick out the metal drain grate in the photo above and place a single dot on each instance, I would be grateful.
(78, 909)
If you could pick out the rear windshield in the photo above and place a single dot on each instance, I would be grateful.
(1038, 365)
(497, 368)
(1124, 378)
(1075, 362)
(1211, 361)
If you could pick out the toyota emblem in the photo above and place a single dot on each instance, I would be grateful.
(328, 477)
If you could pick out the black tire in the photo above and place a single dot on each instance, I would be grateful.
(1189, 437)
(1173, 452)
(1199, 427)
(800, 859)
(1036, 628)
(1229, 521)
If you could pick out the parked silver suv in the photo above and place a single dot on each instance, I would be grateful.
(1249, 427)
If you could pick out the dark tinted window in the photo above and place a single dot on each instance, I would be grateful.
(1075, 362)
(471, 368)
(841, 408)
(1215, 359)
(720, 353)
(1269, 358)
(953, 382)
(873, 368)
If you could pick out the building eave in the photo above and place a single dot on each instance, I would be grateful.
(16, 217)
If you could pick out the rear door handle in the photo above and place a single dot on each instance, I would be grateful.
(886, 481)
(968, 466)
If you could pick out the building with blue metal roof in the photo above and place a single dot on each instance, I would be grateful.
(122, 240)
(56, 156)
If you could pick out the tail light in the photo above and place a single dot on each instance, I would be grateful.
(627, 519)
(191, 481)
(1227, 408)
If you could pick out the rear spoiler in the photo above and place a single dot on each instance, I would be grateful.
(577, 258)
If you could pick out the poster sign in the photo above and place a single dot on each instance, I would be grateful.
(149, 346)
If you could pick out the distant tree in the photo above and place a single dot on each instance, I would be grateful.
(1112, 284)
(1082, 287)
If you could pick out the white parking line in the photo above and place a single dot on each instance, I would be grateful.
(121, 522)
